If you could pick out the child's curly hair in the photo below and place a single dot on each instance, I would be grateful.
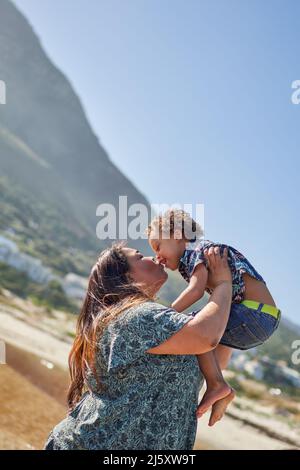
(165, 225)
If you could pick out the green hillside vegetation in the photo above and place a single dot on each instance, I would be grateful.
(50, 295)
(41, 230)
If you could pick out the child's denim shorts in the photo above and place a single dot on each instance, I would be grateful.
(248, 327)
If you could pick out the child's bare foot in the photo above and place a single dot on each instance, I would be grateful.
(212, 395)
(220, 407)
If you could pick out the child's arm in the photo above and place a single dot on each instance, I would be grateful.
(194, 291)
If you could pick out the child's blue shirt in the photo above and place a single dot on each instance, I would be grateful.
(194, 255)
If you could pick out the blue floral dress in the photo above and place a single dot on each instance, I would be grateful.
(142, 400)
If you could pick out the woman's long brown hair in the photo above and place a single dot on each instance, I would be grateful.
(110, 291)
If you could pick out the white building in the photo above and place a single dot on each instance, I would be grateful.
(6, 247)
(291, 375)
(75, 286)
(33, 267)
(239, 360)
(254, 369)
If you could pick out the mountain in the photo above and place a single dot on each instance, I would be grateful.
(54, 170)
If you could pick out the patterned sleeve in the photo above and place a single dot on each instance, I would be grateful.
(196, 257)
(137, 330)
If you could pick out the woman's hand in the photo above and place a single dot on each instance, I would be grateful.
(218, 268)
(204, 331)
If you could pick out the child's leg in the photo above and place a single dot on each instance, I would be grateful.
(216, 387)
(223, 355)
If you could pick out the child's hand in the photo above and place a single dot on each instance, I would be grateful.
(218, 268)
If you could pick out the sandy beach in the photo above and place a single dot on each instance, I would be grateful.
(231, 434)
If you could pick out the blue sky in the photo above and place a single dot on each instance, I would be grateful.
(192, 100)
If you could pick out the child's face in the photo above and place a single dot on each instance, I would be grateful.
(168, 251)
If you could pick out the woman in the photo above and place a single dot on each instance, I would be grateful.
(135, 377)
